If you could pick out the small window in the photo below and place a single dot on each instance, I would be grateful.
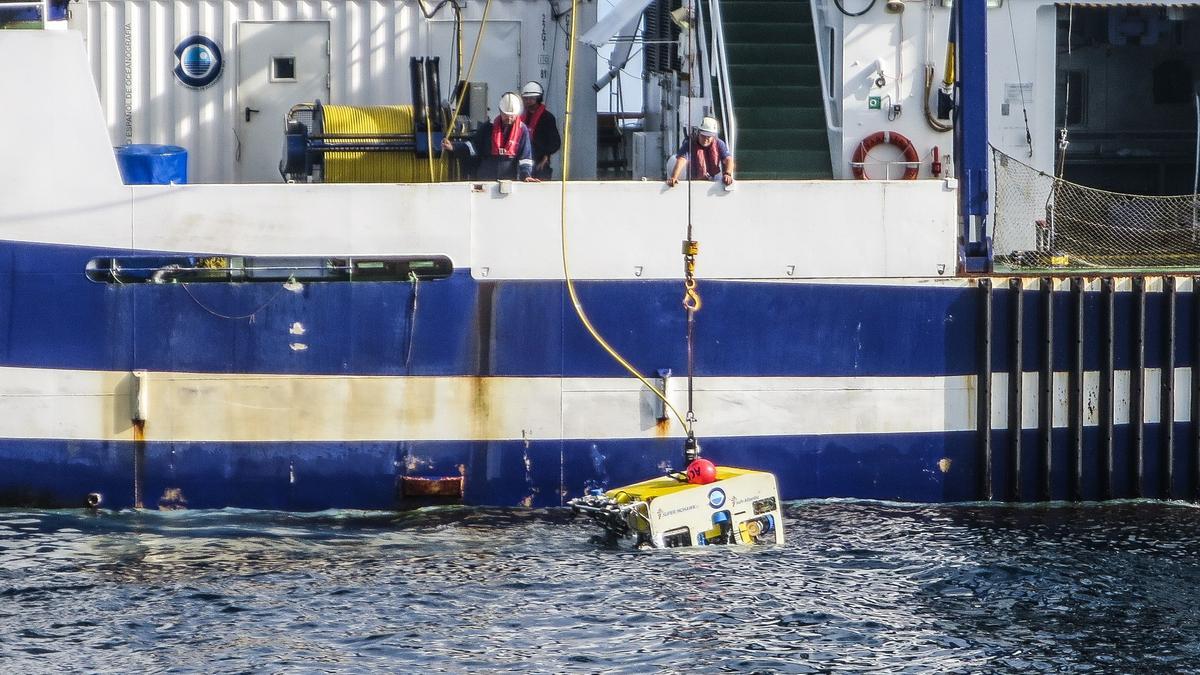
(283, 69)
(261, 269)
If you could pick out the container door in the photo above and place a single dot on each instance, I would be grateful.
(280, 64)
(498, 63)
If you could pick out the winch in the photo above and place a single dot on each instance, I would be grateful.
(707, 505)
(381, 143)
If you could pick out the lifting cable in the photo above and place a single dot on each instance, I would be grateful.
(575, 302)
(1062, 132)
(691, 248)
(1012, 31)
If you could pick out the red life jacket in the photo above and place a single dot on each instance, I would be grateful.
(510, 147)
(705, 160)
(531, 120)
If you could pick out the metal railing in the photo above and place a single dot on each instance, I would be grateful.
(720, 68)
(826, 60)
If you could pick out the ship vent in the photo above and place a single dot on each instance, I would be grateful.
(661, 37)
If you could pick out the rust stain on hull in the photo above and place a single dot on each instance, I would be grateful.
(139, 460)
(662, 428)
(435, 486)
(172, 499)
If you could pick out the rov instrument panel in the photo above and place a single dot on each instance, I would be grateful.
(740, 507)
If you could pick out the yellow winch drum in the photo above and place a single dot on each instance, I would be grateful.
(362, 144)
(374, 124)
(371, 144)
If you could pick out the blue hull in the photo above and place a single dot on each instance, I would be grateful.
(316, 476)
(51, 316)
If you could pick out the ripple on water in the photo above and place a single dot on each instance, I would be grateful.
(859, 587)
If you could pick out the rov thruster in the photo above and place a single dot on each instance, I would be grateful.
(706, 505)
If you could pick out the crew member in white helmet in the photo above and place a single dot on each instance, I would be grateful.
(500, 149)
(543, 129)
(707, 156)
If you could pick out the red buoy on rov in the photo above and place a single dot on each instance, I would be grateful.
(701, 472)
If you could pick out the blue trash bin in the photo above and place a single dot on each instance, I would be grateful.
(146, 164)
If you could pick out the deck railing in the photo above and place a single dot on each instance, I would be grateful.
(720, 66)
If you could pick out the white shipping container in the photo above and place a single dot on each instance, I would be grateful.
(132, 45)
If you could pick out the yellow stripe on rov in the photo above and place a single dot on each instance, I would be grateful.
(665, 485)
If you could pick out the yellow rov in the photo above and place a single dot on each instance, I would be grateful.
(741, 506)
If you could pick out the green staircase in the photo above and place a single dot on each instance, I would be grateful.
(773, 70)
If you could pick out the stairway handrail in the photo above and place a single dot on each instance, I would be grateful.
(721, 71)
(833, 124)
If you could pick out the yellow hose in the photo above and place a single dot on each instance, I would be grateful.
(566, 164)
(372, 167)
(948, 74)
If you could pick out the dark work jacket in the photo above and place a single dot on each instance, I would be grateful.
(546, 142)
(479, 162)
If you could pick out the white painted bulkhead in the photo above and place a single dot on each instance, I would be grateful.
(899, 45)
(131, 45)
(618, 230)
(1022, 56)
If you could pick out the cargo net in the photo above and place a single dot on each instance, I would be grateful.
(1046, 223)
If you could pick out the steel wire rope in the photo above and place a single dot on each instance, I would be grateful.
(691, 299)
(566, 164)
(1062, 132)
(1020, 80)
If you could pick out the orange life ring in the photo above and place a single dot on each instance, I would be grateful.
(912, 159)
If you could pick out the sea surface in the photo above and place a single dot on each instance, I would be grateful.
(859, 587)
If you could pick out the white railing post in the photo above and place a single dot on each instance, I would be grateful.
(721, 69)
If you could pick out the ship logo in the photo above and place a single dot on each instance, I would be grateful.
(198, 62)
(716, 498)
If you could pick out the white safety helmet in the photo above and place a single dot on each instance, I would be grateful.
(709, 126)
(510, 104)
(532, 88)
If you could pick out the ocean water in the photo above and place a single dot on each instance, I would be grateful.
(859, 587)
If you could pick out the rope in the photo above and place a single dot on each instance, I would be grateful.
(1062, 132)
(462, 94)
(282, 288)
(412, 323)
(1012, 31)
(566, 165)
